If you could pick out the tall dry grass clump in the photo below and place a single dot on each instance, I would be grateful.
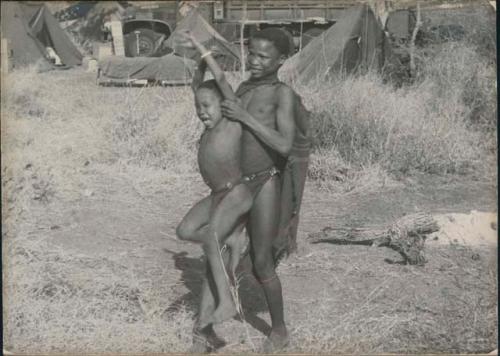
(58, 125)
(443, 123)
(156, 127)
(148, 127)
(67, 142)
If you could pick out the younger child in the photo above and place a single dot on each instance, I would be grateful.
(213, 219)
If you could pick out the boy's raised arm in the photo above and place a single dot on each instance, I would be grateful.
(219, 76)
(218, 73)
(199, 74)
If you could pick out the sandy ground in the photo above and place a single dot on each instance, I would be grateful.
(120, 233)
(473, 229)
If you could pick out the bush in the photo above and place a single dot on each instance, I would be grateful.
(445, 122)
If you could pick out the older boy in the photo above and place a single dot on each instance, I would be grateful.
(266, 111)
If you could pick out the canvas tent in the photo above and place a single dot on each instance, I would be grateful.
(355, 43)
(206, 34)
(169, 70)
(30, 28)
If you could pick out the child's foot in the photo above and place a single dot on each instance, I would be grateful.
(223, 312)
(205, 340)
(275, 342)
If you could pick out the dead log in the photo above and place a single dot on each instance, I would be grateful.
(406, 236)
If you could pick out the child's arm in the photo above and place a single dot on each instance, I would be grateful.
(216, 70)
(199, 74)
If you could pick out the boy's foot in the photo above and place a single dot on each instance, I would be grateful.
(275, 342)
(223, 312)
(205, 340)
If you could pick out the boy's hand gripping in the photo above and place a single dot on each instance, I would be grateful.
(234, 111)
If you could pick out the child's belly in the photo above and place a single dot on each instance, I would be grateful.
(219, 160)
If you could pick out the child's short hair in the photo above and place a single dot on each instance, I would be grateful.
(211, 85)
(281, 39)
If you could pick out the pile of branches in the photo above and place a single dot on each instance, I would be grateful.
(406, 236)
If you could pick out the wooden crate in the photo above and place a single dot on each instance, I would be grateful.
(102, 50)
(117, 34)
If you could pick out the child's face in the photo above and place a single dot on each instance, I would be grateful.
(208, 107)
(263, 58)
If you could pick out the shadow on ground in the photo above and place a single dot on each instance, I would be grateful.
(193, 270)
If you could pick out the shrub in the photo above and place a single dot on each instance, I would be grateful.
(443, 123)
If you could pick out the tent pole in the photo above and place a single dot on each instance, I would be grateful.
(242, 49)
(242, 44)
(418, 24)
(301, 32)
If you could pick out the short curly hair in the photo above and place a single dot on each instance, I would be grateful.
(211, 85)
(280, 38)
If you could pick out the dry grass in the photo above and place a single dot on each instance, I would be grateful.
(363, 305)
(61, 301)
(444, 123)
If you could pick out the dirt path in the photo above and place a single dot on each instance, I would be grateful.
(343, 298)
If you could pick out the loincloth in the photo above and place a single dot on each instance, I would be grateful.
(256, 181)
(220, 193)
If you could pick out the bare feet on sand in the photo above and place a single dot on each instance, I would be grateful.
(276, 341)
(205, 340)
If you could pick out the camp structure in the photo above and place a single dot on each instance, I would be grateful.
(176, 68)
(170, 69)
(228, 53)
(355, 43)
(33, 36)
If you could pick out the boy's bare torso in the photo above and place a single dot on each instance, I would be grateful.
(261, 103)
(227, 151)
(219, 154)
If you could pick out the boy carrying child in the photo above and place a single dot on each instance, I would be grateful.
(267, 111)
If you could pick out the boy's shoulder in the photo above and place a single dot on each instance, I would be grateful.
(286, 90)
(280, 88)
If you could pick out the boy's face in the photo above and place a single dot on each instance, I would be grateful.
(208, 107)
(263, 58)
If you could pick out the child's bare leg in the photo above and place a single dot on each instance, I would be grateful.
(263, 227)
(195, 222)
(202, 329)
(207, 302)
(236, 242)
(225, 218)
(204, 335)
